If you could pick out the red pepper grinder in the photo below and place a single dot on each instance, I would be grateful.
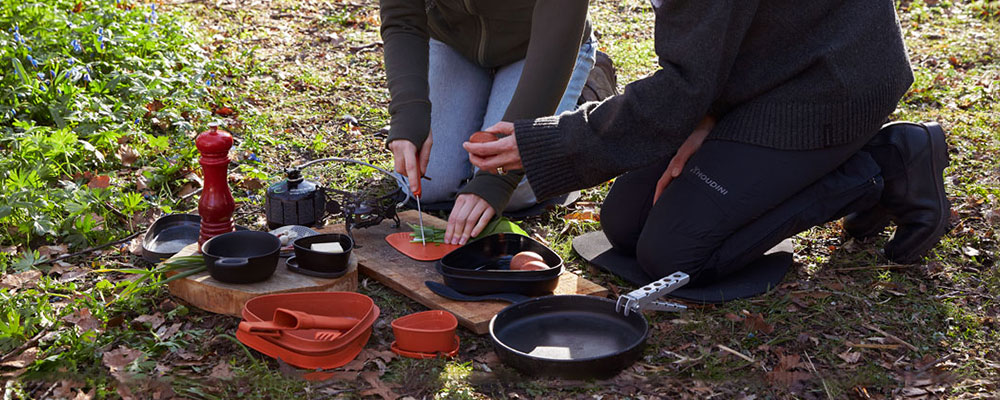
(216, 205)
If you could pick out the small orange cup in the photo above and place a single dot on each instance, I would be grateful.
(425, 332)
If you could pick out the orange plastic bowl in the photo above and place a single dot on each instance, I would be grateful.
(425, 332)
(333, 304)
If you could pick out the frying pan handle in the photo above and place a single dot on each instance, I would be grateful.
(231, 262)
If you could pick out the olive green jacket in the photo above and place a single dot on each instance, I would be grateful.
(491, 33)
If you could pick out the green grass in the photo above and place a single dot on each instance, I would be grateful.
(296, 73)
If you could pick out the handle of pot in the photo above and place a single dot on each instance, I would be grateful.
(232, 262)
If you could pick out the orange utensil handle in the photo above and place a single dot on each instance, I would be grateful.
(291, 319)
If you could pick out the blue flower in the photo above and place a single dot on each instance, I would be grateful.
(86, 78)
(100, 31)
(43, 87)
(66, 75)
(253, 157)
(40, 76)
(152, 6)
(76, 45)
(137, 121)
(32, 61)
(53, 74)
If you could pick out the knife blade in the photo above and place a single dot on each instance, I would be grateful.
(420, 215)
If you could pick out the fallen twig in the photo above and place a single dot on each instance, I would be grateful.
(873, 346)
(20, 349)
(891, 337)
(736, 353)
(936, 362)
(367, 46)
(88, 250)
(813, 366)
(885, 266)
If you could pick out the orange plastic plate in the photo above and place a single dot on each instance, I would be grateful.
(418, 251)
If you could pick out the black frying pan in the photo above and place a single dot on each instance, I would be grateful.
(168, 235)
(568, 336)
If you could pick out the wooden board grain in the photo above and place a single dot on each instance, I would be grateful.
(391, 268)
(208, 294)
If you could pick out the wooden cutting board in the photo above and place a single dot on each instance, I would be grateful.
(225, 298)
(380, 261)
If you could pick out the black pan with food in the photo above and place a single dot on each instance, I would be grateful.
(568, 336)
(241, 256)
(529, 286)
(490, 256)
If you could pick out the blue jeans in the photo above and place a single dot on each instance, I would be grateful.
(466, 98)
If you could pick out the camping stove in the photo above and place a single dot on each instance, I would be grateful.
(299, 201)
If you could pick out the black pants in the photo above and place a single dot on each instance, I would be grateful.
(732, 203)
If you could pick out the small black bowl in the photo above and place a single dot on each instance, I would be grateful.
(489, 257)
(241, 256)
(327, 264)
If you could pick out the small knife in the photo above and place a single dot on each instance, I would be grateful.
(420, 215)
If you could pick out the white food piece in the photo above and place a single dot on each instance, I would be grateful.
(329, 247)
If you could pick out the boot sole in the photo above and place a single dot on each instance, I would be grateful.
(940, 160)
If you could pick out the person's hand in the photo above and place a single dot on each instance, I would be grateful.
(468, 218)
(687, 149)
(407, 162)
(499, 155)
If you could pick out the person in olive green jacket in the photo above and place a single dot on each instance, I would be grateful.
(455, 67)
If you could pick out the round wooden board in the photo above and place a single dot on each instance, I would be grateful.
(208, 294)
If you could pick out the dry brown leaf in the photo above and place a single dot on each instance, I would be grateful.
(8, 250)
(587, 216)
(53, 251)
(378, 387)
(187, 189)
(64, 389)
(222, 371)
(26, 358)
(88, 395)
(755, 323)
(849, 357)
(154, 320)
(83, 319)
(99, 182)
(117, 360)
(167, 332)
(252, 184)
(22, 279)
(789, 362)
(794, 381)
(127, 155)
(154, 106)
(733, 317)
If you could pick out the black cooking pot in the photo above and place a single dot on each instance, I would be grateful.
(529, 285)
(568, 336)
(241, 256)
(317, 263)
(489, 257)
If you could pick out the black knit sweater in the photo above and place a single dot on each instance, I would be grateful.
(784, 74)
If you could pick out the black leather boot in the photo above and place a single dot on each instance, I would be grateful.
(912, 157)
